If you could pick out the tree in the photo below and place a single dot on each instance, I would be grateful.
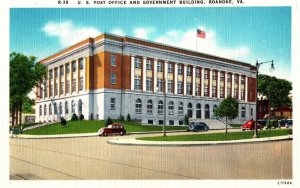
(27, 105)
(186, 119)
(228, 108)
(24, 75)
(277, 90)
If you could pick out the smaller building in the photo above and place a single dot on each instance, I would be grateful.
(282, 112)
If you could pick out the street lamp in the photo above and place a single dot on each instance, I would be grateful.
(165, 109)
(257, 71)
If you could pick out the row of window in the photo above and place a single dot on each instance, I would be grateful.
(74, 67)
(59, 110)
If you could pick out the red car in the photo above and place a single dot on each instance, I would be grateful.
(250, 125)
(113, 129)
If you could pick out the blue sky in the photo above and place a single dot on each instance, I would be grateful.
(242, 33)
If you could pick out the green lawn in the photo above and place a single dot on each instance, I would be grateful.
(92, 126)
(220, 136)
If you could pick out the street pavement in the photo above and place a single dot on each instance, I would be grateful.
(92, 158)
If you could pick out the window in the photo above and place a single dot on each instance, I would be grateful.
(159, 66)
(150, 121)
(205, 74)
(51, 90)
(221, 92)
(62, 70)
(171, 108)
(137, 83)
(73, 107)
(55, 108)
(215, 107)
(112, 103)
(45, 110)
(160, 122)
(45, 90)
(138, 106)
(214, 91)
(190, 110)
(66, 108)
(242, 94)
(51, 74)
(68, 68)
(60, 108)
(197, 92)
(148, 84)
(228, 91)
(81, 65)
(198, 73)
(180, 109)
(189, 71)
(188, 88)
(179, 69)
(149, 107)
(113, 78)
(50, 109)
(243, 112)
(137, 62)
(68, 86)
(207, 113)
(160, 107)
(229, 78)
(179, 87)
(206, 90)
(236, 93)
(236, 79)
(74, 66)
(180, 122)
(73, 85)
(251, 112)
(160, 85)
(81, 84)
(222, 76)
(171, 122)
(56, 89)
(170, 68)
(62, 86)
(56, 72)
(198, 110)
(112, 60)
(40, 92)
(242, 80)
(149, 64)
(214, 75)
(170, 86)
(40, 111)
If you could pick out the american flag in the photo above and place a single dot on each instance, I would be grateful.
(200, 33)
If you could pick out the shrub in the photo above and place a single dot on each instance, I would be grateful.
(74, 117)
(63, 121)
(81, 117)
(186, 120)
(128, 117)
(121, 118)
(108, 121)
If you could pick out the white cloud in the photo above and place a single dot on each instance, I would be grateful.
(187, 39)
(118, 31)
(68, 33)
(143, 33)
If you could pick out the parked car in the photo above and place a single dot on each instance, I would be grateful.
(113, 129)
(197, 126)
(289, 123)
(250, 125)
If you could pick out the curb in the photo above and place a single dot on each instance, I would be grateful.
(135, 142)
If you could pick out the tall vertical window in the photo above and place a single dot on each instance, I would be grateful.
(55, 108)
(229, 91)
(137, 83)
(113, 78)
(170, 86)
(149, 107)
(242, 94)
(190, 110)
(73, 85)
(148, 84)
(198, 110)
(159, 66)
(207, 112)
(45, 90)
(51, 90)
(180, 109)
(170, 68)
(81, 65)
(160, 85)
(236, 93)
(171, 108)
(68, 86)
(214, 75)
(179, 87)
(74, 66)
(112, 103)
(66, 108)
(40, 110)
(197, 92)
(214, 91)
(73, 106)
(50, 109)
(81, 84)
(205, 90)
(243, 112)
(56, 72)
(229, 78)
(56, 89)
(222, 92)
(160, 107)
(68, 68)
(179, 69)
(62, 70)
(138, 106)
(60, 108)
(205, 74)
(222, 76)
(149, 64)
(112, 60)
(189, 71)
(197, 73)
(236, 79)
(79, 106)
(242, 80)
(137, 63)
(188, 88)
(51, 74)
(45, 110)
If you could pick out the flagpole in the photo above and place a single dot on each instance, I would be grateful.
(196, 41)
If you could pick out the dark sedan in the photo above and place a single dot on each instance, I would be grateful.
(197, 126)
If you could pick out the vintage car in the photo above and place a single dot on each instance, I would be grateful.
(197, 126)
(113, 129)
(250, 125)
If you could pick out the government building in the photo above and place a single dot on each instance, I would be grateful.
(113, 76)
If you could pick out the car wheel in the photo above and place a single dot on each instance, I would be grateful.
(105, 134)
(243, 129)
(121, 133)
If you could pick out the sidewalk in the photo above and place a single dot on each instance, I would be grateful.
(133, 141)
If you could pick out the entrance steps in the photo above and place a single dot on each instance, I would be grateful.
(214, 123)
